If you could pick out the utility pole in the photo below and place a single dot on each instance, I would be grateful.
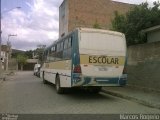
(0, 44)
(8, 49)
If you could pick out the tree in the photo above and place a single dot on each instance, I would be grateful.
(39, 52)
(134, 21)
(22, 60)
(29, 54)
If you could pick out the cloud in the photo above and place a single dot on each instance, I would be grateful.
(39, 25)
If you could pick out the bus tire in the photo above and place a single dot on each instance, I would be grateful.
(44, 81)
(59, 89)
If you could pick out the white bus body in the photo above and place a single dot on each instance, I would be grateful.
(86, 57)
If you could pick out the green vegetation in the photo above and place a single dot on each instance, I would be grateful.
(22, 56)
(39, 52)
(96, 25)
(133, 22)
(29, 54)
(22, 60)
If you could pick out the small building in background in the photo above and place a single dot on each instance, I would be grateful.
(153, 34)
(29, 66)
(87, 13)
(14, 65)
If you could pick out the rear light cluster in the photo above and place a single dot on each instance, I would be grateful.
(77, 69)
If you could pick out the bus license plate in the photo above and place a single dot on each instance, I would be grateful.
(102, 68)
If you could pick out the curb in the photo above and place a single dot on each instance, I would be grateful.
(131, 98)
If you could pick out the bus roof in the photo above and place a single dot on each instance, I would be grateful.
(47, 48)
(100, 31)
(87, 30)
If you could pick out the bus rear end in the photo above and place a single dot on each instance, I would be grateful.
(101, 59)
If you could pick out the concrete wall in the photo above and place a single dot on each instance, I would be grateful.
(153, 36)
(144, 66)
(12, 64)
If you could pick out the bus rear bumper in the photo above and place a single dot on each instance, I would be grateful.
(98, 81)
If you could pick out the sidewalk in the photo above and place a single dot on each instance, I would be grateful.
(2, 76)
(5, 74)
(148, 98)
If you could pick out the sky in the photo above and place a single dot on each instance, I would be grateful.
(35, 23)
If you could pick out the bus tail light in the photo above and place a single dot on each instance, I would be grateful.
(124, 70)
(77, 69)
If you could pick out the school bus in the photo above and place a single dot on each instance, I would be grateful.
(86, 58)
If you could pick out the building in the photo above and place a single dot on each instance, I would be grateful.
(29, 66)
(5, 56)
(9, 63)
(14, 65)
(87, 13)
(153, 34)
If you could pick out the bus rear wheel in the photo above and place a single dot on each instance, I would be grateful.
(59, 89)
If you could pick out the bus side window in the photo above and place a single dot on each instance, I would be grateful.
(47, 55)
(53, 49)
(65, 44)
(61, 49)
(70, 42)
(59, 54)
(53, 53)
(67, 48)
(58, 47)
(44, 56)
